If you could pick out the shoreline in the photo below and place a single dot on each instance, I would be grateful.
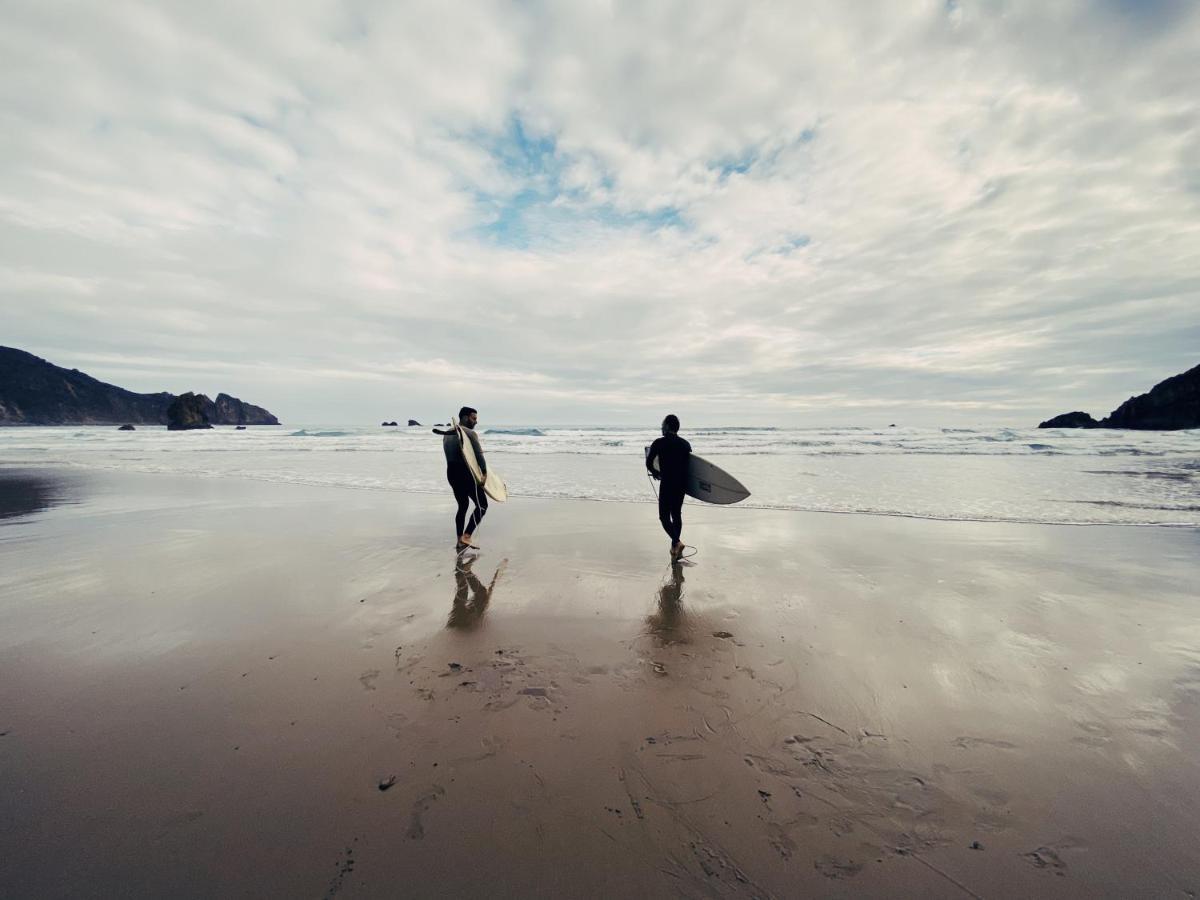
(226, 672)
(689, 503)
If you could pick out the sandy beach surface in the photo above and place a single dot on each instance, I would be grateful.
(233, 688)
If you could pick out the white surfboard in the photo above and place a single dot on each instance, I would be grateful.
(493, 485)
(709, 482)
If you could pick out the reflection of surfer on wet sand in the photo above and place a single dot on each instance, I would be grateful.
(665, 623)
(471, 598)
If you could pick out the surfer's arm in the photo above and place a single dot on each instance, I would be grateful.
(478, 451)
(651, 456)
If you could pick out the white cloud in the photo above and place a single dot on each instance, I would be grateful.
(942, 210)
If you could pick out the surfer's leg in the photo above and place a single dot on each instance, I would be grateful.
(463, 498)
(481, 506)
(480, 498)
(677, 517)
(664, 511)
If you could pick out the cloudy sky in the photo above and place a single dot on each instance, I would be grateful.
(808, 213)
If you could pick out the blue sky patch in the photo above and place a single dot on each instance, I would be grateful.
(540, 211)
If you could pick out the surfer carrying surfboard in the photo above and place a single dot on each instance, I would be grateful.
(673, 456)
(462, 480)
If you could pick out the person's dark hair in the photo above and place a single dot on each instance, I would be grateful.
(671, 424)
(465, 411)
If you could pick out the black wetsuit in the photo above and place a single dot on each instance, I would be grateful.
(672, 452)
(462, 482)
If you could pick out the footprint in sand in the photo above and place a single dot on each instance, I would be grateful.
(841, 826)
(416, 828)
(780, 840)
(1045, 858)
(367, 679)
(832, 867)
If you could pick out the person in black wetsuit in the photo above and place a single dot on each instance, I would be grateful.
(672, 453)
(462, 482)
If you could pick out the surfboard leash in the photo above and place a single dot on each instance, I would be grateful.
(653, 489)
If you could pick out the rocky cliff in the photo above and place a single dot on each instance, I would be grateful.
(226, 410)
(36, 392)
(1170, 405)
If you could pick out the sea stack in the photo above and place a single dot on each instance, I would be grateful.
(227, 410)
(1071, 420)
(187, 412)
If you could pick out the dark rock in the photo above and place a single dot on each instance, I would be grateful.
(412, 422)
(227, 410)
(36, 392)
(187, 413)
(241, 428)
(1070, 420)
(387, 782)
(1170, 405)
(388, 425)
(126, 427)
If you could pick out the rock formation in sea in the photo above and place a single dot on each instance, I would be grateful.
(36, 392)
(187, 412)
(413, 422)
(227, 410)
(126, 427)
(1170, 405)
(388, 425)
(1070, 420)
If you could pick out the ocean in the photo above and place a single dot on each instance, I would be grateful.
(1077, 477)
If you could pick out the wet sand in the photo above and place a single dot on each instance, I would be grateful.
(204, 684)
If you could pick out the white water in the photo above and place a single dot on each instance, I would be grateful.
(1031, 475)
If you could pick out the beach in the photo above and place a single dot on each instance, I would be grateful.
(227, 687)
